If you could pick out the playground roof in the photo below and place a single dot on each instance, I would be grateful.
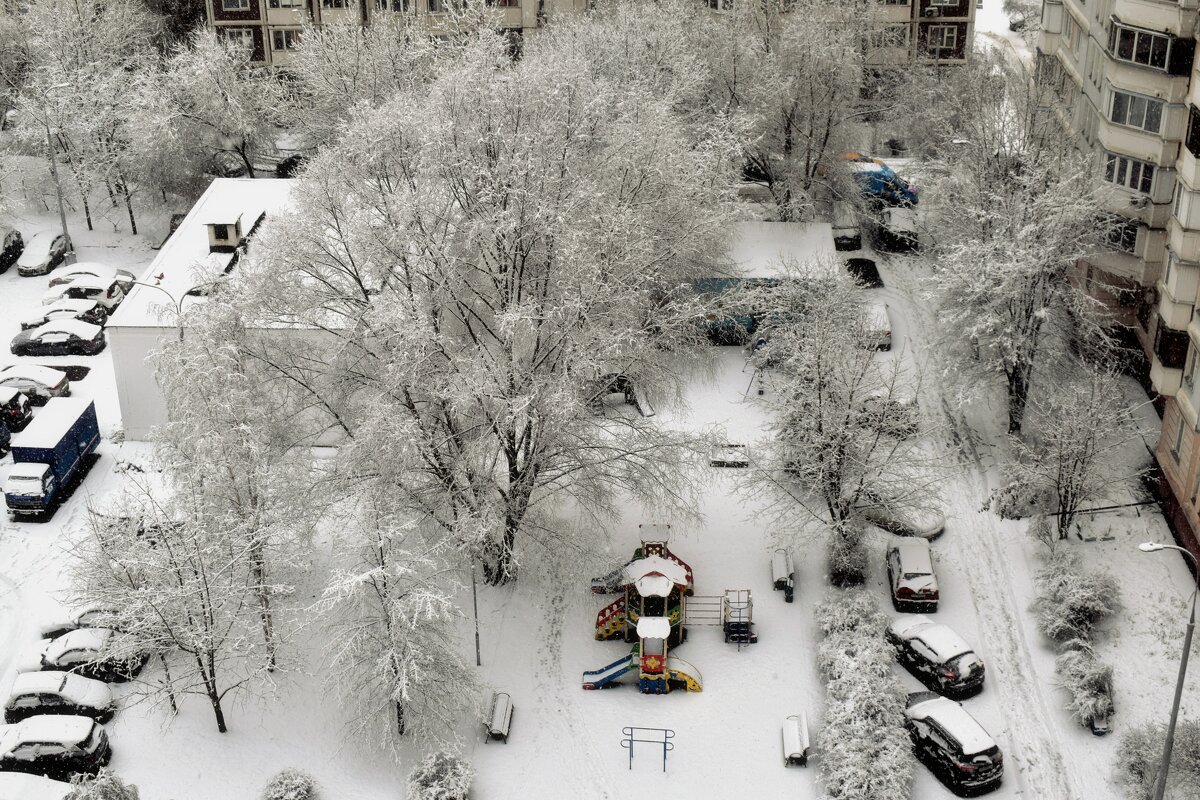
(655, 565)
(653, 628)
(653, 585)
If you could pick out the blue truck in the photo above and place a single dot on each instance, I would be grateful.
(876, 179)
(51, 455)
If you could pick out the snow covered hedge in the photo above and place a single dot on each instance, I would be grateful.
(441, 776)
(1072, 600)
(1089, 682)
(1140, 753)
(866, 753)
(290, 784)
(846, 556)
(105, 785)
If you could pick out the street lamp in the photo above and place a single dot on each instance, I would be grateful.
(177, 303)
(1160, 785)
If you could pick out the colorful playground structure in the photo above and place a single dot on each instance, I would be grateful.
(651, 613)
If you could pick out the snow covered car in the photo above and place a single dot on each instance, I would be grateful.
(39, 384)
(891, 412)
(876, 326)
(16, 410)
(876, 179)
(85, 310)
(44, 251)
(87, 652)
(936, 655)
(105, 291)
(11, 245)
(896, 231)
(86, 617)
(94, 269)
(21, 786)
(54, 745)
(910, 575)
(64, 337)
(952, 744)
(899, 518)
(865, 272)
(54, 692)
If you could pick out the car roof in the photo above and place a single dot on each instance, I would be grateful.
(86, 268)
(914, 551)
(84, 638)
(66, 728)
(66, 304)
(87, 281)
(940, 638)
(45, 375)
(951, 716)
(75, 327)
(7, 393)
(47, 681)
(41, 236)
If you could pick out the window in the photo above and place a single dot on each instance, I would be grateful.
(1128, 172)
(1136, 111)
(394, 5)
(893, 2)
(503, 3)
(1192, 142)
(437, 6)
(942, 37)
(943, 2)
(720, 5)
(235, 5)
(333, 3)
(221, 232)
(1189, 373)
(284, 40)
(1178, 441)
(1138, 46)
(239, 37)
(1121, 233)
(889, 36)
(285, 3)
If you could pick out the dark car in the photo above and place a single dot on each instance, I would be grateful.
(937, 656)
(865, 272)
(55, 692)
(64, 337)
(11, 246)
(86, 310)
(54, 745)
(37, 383)
(90, 652)
(952, 744)
(5, 440)
(43, 252)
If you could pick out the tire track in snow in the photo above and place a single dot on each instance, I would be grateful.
(1033, 744)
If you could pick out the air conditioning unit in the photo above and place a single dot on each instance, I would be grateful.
(933, 12)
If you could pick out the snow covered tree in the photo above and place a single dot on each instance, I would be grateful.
(1075, 447)
(104, 785)
(1071, 600)
(521, 232)
(290, 784)
(1019, 208)
(441, 776)
(1088, 681)
(1140, 753)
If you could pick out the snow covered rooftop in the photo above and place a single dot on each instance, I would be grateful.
(761, 248)
(655, 566)
(49, 424)
(653, 628)
(181, 260)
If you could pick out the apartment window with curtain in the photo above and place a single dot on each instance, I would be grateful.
(235, 5)
(1136, 111)
(284, 40)
(1128, 172)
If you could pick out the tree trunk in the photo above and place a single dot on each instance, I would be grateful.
(123, 187)
(400, 718)
(1018, 395)
(259, 569)
(170, 688)
(209, 677)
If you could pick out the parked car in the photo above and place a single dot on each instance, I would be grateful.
(847, 235)
(94, 269)
(54, 692)
(86, 617)
(891, 412)
(64, 337)
(910, 575)
(5, 440)
(37, 383)
(87, 652)
(937, 656)
(865, 272)
(952, 744)
(876, 179)
(44, 251)
(896, 231)
(11, 246)
(54, 745)
(85, 310)
(22, 786)
(877, 326)
(15, 409)
(1016, 21)
(105, 291)
(901, 518)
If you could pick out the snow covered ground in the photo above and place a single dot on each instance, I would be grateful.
(537, 636)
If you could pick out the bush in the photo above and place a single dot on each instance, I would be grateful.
(1019, 499)
(1072, 600)
(1140, 753)
(846, 557)
(441, 776)
(1089, 682)
(290, 784)
(105, 785)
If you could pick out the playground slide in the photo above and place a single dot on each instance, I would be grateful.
(680, 670)
(599, 678)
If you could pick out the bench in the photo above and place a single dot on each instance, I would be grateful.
(795, 740)
(500, 718)
(781, 568)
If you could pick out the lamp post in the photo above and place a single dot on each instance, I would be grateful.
(1160, 785)
(178, 304)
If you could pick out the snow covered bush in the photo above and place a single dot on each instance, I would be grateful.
(1140, 753)
(1019, 499)
(846, 556)
(441, 776)
(1089, 682)
(290, 784)
(1072, 600)
(105, 785)
(866, 753)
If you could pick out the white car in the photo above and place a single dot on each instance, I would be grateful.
(93, 269)
(44, 251)
(876, 326)
(38, 383)
(105, 291)
(953, 744)
(85, 310)
(87, 652)
(20, 786)
(55, 692)
(51, 744)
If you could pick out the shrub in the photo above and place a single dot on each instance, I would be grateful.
(441, 776)
(105, 785)
(1072, 600)
(1089, 682)
(846, 557)
(290, 784)
(1140, 753)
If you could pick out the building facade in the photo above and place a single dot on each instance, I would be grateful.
(938, 31)
(1124, 73)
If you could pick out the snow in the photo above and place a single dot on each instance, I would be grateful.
(653, 586)
(653, 627)
(66, 306)
(19, 786)
(915, 556)
(958, 723)
(80, 269)
(656, 565)
(761, 248)
(92, 639)
(66, 728)
(51, 422)
(991, 30)
(45, 375)
(942, 640)
(75, 327)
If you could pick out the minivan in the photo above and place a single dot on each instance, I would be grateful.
(846, 233)
(954, 746)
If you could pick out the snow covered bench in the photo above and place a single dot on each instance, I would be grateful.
(795, 740)
(500, 718)
(782, 573)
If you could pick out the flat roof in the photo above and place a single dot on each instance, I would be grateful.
(760, 249)
(49, 424)
(182, 260)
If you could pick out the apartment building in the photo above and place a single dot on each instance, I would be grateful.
(940, 31)
(1124, 73)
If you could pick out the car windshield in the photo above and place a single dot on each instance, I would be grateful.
(914, 575)
(32, 480)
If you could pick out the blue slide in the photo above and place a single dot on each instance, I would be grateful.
(597, 679)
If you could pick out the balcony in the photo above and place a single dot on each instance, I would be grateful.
(1165, 380)
(1153, 15)
(1174, 313)
(1169, 88)
(1137, 143)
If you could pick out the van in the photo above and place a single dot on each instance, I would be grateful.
(846, 232)
(897, 231)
